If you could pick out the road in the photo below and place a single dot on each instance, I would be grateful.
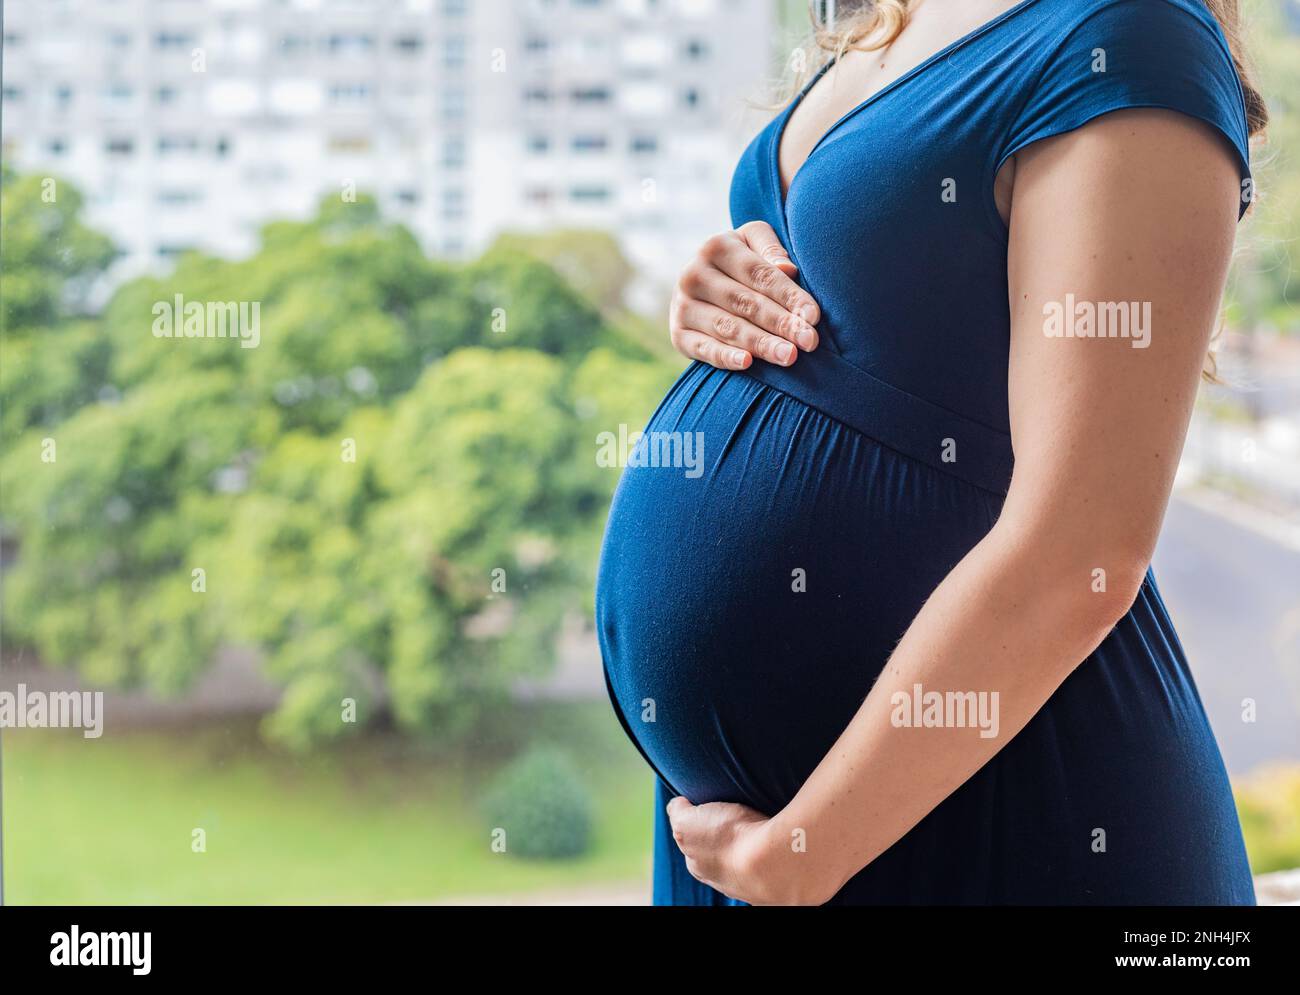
(1234, 595)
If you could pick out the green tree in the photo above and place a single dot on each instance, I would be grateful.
(51, 361)
(1262, 290)
(51, 259)
(393, 498)
(590, 261)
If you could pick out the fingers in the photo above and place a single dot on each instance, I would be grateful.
(728, 329)
(735, 258)
(678, 807)
(760, 237)
(735, 298)
(703, 834)
(690, 823)
(736, 301)
(697, 345)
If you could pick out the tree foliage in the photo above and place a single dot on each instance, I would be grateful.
(1262, 291)
(394, 497)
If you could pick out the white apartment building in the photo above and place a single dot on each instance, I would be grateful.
(190, 123)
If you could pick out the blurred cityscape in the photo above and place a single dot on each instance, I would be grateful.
(190, 123)
(459, 220)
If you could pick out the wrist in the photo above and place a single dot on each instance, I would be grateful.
(799, 871)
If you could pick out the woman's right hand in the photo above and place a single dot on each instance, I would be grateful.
(736, 300)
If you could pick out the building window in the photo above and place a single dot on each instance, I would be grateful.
(453, 52)
(538, 144)
(407, 197)
(172, 144)
(222, 147)
(11, 94)
(349, 94)
(691, 97)
(119, 40)
(409, 44)
(589, 194)
(453, 153)
(589, 143)
(178, 40)
(590, 94)
(63, 96)
(453, 204)
(453, 104)
(179, 198)
(119, 147)
(454, 7)
(644, 145)
(350, 44)
(56, 146)
(166, 94)
(537, 95)
(118, 94)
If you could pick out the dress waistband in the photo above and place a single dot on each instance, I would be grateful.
(904, 422)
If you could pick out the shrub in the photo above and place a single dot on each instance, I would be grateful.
(1268, 803)
(543, 806)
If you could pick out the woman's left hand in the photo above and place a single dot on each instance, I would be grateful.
(735, 849)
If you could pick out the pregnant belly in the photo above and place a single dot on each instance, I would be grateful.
(744, 611)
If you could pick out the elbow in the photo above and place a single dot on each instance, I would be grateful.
(1082, 590)
(1096, 596)
(1083, 604)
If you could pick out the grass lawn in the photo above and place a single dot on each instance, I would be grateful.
(374, 820)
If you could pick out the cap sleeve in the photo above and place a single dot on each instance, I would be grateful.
(1138, 53)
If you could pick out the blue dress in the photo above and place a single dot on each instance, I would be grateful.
(746, 603)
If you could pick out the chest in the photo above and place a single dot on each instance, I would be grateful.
(861, 74)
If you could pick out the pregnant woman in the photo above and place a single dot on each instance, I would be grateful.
(870, 657)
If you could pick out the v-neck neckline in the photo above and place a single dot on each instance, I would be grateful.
(774, 146)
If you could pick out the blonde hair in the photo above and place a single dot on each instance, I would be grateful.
(869, 25)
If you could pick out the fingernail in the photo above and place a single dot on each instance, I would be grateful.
(808, 313)
(807, 339)
(738, 357)
(785, 352)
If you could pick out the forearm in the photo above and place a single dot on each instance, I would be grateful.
(1008, 620)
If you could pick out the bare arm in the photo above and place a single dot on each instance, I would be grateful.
(1137, 206)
